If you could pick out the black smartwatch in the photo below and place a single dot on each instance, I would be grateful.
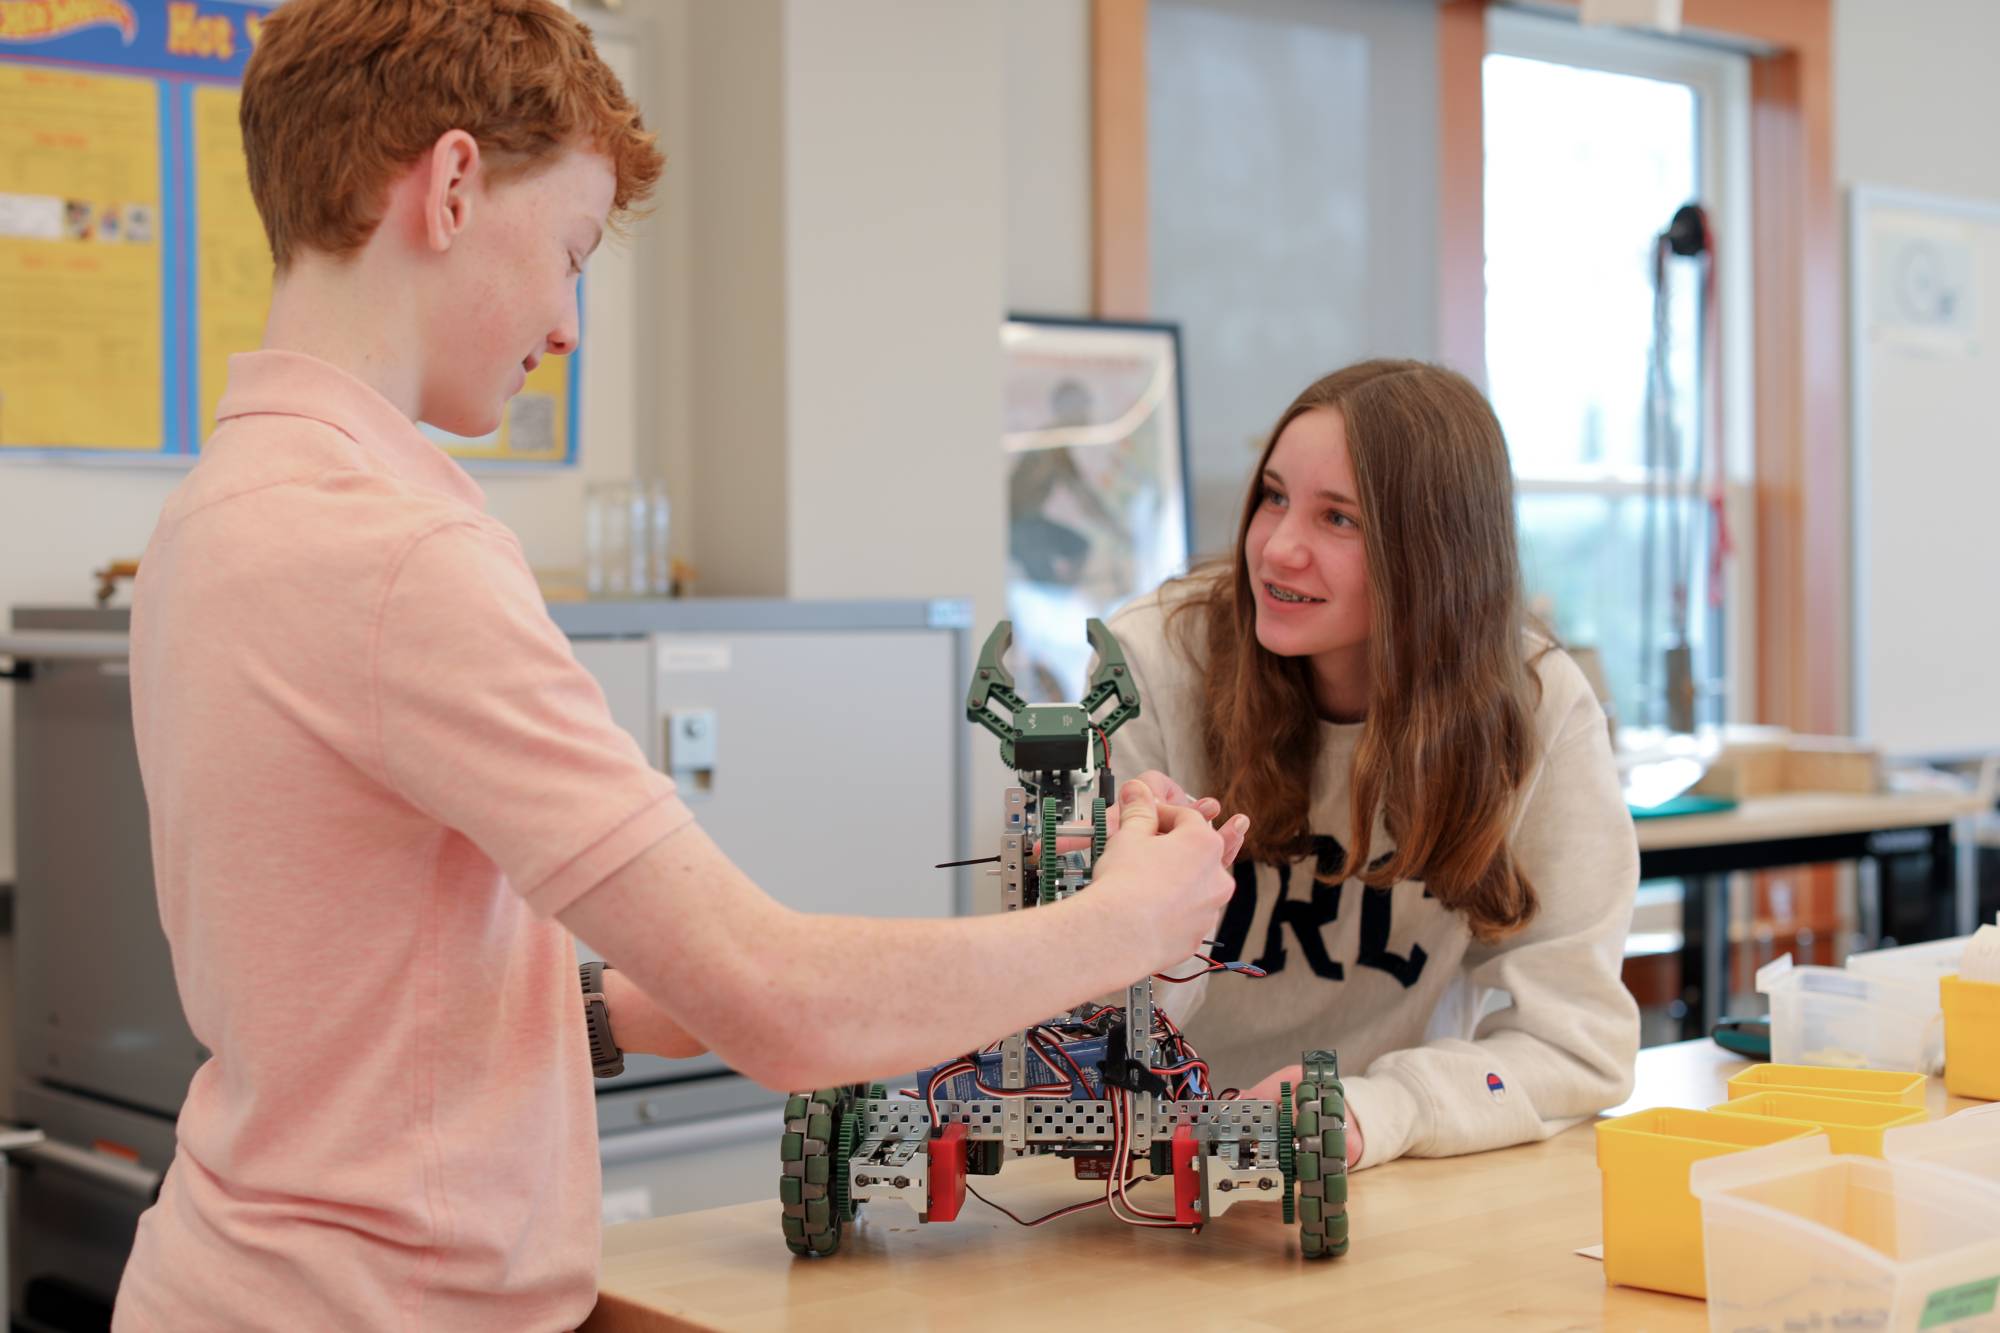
(606, 1060)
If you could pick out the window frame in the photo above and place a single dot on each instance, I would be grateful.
(1720, 78)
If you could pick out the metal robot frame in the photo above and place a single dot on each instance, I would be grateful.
(1114, 1088)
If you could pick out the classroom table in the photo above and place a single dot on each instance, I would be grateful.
(1792, 829)
(1486, 1241)
(11, 1137)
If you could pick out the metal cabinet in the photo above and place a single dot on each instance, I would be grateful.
(823, 745)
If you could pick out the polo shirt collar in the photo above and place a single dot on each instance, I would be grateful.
(297, 385)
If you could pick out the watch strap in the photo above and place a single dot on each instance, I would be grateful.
(606, 1060)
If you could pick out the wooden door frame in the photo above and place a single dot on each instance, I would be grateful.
(1801, 558)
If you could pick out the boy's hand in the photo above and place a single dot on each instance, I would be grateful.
(1166, 790)
(1166, 874)
(1169, 792)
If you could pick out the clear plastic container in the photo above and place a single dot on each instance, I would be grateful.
(1852, 1019)
(1967, 1143)
(1795, 1237)
(1911, 962)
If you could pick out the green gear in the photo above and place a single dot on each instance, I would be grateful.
(842, 1154)
(812, 1185)
(1051, 862)
(1286, 1167)
(1098, 828)
(1321, 1158)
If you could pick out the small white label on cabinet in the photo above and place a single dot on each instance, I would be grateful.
(634, 1204)
(694, 656)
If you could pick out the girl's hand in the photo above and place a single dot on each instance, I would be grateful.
(1167, 792)
(1267, 1091)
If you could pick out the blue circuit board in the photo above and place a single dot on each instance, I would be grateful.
(1086, 1052)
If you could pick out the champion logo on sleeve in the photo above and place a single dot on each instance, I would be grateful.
(1496, 1087)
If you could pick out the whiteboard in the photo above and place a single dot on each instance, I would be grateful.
(1924, 372)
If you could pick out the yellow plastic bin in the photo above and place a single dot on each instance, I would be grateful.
(1852, 1125)
(1652, 1224)
(1868, 1085)
(1971, 1037)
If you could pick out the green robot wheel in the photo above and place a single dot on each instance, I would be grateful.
(812, 1186)
(1321, 1157)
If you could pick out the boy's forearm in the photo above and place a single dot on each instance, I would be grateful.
(952, 984)
(798, 1001)
(641, 1027)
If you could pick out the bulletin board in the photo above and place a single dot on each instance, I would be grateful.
(132, 261)
(1924, 273)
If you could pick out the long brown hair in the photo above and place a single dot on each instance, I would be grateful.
(1449, 734)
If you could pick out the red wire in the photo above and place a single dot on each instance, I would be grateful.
(930, 1089)
(1213, 966)
(1202, 1065)
(1043, 1046)
(1120, 1169)
(1192, 976)
(1048, 1091)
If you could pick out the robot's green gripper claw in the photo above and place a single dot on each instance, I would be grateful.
(991, 684)
(1111, 680)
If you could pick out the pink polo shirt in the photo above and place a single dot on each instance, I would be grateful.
(375, 773)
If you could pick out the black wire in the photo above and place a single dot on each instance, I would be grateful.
(1063, 1211)
(1651, 453)
(1046, 1217)
(975, 861)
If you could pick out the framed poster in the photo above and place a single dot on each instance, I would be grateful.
(132, 260)
(1097, 484)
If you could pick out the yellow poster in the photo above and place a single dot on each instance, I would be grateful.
(81, 362)
(233, 260)
(534, 428)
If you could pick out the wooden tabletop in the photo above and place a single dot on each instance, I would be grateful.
(1486, 1241)
(1806, 814)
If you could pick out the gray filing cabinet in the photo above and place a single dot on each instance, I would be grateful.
(843, 720)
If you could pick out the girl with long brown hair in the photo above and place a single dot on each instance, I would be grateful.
(1439, 873)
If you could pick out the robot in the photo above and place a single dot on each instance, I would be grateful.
(1116, 1089)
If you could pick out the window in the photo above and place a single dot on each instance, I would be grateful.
(1594, 139)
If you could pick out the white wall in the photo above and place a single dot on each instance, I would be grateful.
(1915, 94)
(1048, 157)
(1292, 174)
(734, 185)
(1915, 97)
(895, 217)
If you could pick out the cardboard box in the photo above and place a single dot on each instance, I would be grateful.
(1767, 766)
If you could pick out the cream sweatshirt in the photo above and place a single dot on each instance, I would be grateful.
(1447, 1045)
